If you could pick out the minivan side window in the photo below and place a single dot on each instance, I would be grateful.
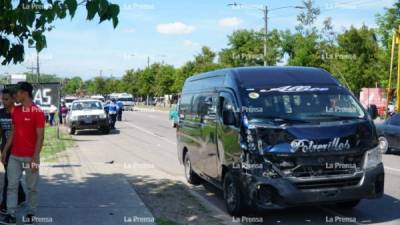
(226, 103)
(185, 106)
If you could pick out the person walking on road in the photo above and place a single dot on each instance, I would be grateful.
(25, 143)
(8, 99)
(112, 112)
(53, 111)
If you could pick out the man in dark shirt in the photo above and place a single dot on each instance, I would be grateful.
(5, 130)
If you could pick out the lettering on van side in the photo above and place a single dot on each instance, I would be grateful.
(296, 89)
(308, 146)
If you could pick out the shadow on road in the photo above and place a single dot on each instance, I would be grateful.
(385, 209)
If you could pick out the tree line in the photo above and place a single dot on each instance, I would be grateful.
(358, 57)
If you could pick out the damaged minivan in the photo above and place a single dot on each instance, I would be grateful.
(277, 137)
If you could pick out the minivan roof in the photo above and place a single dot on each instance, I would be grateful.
(252, 77)
(285, 75)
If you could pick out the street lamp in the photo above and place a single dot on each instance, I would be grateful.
(266, 11)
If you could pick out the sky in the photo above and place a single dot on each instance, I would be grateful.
(172, 31)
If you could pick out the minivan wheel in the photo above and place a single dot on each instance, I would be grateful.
(348, 204)
(383, 145)
(191, 176)
(232, 195)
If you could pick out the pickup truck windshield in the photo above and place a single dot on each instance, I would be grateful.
(86, 106)
(309, 104)
(125, 99)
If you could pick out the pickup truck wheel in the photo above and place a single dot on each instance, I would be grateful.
(383, 145)
(232, 195)
(71, 130)
(105, 130)
(348, 204)
(191, 176)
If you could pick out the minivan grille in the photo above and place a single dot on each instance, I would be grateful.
(328, 183)
(314, 166)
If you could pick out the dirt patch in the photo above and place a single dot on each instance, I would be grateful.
(171, 203)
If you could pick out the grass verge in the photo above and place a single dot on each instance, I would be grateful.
(53, 145)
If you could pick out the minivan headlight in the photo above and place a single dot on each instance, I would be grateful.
(102, 116)
(74, 118)
(372, 158)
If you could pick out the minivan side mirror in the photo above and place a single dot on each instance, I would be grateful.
(373, 111)
(229, 118)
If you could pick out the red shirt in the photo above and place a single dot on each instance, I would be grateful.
(26, 120)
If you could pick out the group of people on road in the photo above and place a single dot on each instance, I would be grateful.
(22, 125)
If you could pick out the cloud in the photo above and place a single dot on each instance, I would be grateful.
(175, 28)
(190, 44)
(230, 22)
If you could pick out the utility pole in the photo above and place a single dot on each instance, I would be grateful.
(37, 67)
(266, 11)
(265, 33)
(398, 71)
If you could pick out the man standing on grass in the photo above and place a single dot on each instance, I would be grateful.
(26, 139)
(8, 99)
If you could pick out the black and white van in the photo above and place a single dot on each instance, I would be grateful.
(276, 137)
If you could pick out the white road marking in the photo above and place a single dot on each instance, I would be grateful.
(391, 168)
(150, 133)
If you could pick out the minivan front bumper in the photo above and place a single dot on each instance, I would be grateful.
(278, 193)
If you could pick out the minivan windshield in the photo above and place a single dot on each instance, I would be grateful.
(301, 104)
(88, 105)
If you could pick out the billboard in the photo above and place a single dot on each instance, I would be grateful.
(44, 94)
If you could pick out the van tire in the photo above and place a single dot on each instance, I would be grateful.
(348, 204)
(191, 176)
(233, 197)
(384, 144)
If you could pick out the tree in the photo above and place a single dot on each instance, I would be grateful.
(164, 80)
(71, 85)
(203, 62)
(246, 48)
(387, 23)
(129, 82)
(360, 62)
(26, 22)
(307, 17)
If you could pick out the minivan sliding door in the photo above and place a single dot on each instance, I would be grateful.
(208, 149)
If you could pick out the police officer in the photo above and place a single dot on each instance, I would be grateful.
(112, 112)
(120, 109)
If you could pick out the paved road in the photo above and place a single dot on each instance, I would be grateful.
(148, 137)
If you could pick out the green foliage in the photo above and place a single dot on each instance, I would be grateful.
(246, 48)
(387, 22)
(71, 85)
(26, 22)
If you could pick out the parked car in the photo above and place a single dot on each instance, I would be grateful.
(87, 114)
(389, 134)
(69, 99)
(276, 137)
(173, 115)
